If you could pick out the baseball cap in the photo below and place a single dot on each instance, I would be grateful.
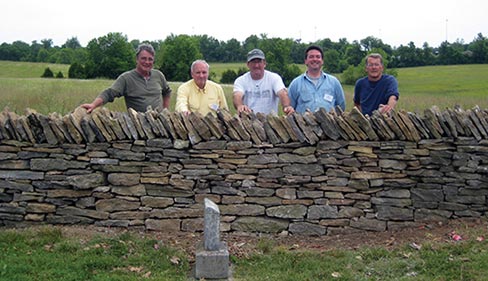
(255, 54)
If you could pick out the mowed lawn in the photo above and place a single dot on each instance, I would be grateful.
(420, 88)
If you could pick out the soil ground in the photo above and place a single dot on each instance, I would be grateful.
(242, 245)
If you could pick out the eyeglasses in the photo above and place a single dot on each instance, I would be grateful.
(149, 59)
(373, 64)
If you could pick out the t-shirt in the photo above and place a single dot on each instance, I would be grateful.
(371, 94)
(260, 95)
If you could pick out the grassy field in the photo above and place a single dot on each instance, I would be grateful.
(422, 87)
(51, 253)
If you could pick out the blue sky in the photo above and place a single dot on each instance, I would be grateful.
(394, 22)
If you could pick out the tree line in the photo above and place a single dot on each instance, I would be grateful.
(110, 55)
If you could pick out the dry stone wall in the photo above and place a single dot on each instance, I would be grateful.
(313, 174)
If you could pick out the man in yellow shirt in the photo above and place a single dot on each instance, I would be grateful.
(200, 94)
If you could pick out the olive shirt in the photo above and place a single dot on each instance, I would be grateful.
(190, 98)
(138, 92)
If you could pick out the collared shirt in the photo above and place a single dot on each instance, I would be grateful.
(369, 95)
(325, 92)
(190, 97)
(138, 92)
(260, 95)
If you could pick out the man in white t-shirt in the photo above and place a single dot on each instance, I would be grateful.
(260, 90)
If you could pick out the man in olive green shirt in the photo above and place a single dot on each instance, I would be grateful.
(200, 94)
(140, 87)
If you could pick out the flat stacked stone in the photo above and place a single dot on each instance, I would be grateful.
(214, 126)
(193, 135)
(226, 119)
(103, 125)
(328, 125)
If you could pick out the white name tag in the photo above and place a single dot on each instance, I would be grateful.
(328, 98)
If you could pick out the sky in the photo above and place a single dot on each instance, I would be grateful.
(394, 22)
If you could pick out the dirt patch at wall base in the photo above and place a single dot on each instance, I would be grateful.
(246, 244)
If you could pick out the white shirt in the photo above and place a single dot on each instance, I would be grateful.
(260, 95)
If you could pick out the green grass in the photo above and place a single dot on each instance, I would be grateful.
(218, 68)
(16, 69)
(420, 88)
(46, 253)
(466, 260)
(445, 86)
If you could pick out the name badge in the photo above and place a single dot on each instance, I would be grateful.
(328, 98)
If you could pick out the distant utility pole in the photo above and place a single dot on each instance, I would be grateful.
(446, 29)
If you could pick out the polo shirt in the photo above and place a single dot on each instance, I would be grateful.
(190, 97)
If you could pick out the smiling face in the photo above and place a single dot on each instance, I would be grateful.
(314, 61)
(374, 68)
(145, 62)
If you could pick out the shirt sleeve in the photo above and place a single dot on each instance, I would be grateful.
(392, 89)
(115, 91)
(182, 99)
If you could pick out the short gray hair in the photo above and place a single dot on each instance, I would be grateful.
(145, 47)
(374, 56)
(199, 61)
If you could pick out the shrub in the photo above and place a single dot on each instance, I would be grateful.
(228, 76)
(47, 73)
(59, 75)
(76, 71)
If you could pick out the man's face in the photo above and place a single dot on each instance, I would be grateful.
(145, 62)
(256, 67)
(374, 68)
(314, 59)
(200, 74)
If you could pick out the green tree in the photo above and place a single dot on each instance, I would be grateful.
(251, 42)
(42, 55)
(408, 56)
(450, 53)
(64, 56)
(210, 48)
(427, 55)
(479, 49)
(47, 43)
(278, 60)
(232, 51)
(17, 51)
(72, 43)
(332, 61)
(354, 54)
(59, 75)
(176, 56)
(76, 71)
(109, 56)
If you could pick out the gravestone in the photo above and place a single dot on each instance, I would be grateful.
(212, 256)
